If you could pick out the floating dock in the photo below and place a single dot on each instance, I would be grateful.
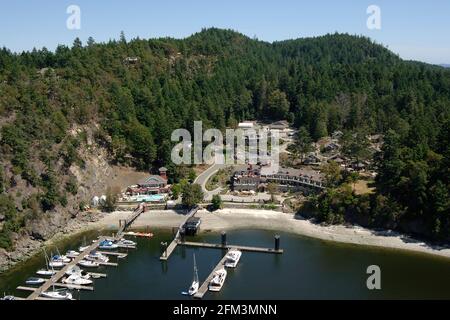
(227, 247)
(61, 273)
(53, 281)
(204, 287)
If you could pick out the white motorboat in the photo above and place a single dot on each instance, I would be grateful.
(77, 279)
(59, 258)
(72, 253)
(107, 245)
(64, 259)
(56, 264)
(8, 298)
(195, 283)
(45, 272)
(98, 257)
(58, 295)
(218, 280)
(35, 281)
(75, 270)
(127, 242)
(83, 248)
(89, 264)
(232, 258)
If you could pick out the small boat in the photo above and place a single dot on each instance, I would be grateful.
(218, 280)
(98, 257)
(126, 242)
(83, 248)
(35, 281)
(72, 253)
(61, 258)
(58, 295)
(56, 264)
(195, 283)
(232, 258)
(107, 245)
(77, 279)
(44, 272)
(75, 270)
(89, 264)
(9, 298)
(139, 234)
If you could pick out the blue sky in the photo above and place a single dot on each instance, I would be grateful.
(418, 30)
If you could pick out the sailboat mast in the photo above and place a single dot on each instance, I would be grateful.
(195, 270)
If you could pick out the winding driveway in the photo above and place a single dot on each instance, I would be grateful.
(203, 178)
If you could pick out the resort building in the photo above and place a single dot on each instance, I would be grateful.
(249, 178)
(153, 184)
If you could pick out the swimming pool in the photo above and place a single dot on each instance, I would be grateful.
(148, 198)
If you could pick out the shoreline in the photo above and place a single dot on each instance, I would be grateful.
(239, 219)
(235, 219)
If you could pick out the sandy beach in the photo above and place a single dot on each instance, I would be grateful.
(231, 219)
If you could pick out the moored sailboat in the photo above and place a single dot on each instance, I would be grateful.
(195, 283)
(46, 271)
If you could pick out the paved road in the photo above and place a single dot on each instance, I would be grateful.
(205, 176)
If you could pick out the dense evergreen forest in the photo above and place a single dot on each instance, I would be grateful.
(134, 93)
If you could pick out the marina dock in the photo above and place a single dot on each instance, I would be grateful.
(169, 249)
(227, 247)
(204, 287)
(61, 273)
(224, 246)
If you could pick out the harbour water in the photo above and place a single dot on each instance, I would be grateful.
(308, 269)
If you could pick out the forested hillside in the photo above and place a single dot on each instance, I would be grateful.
(130, 95)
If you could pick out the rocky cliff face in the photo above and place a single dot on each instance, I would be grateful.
(92, 179)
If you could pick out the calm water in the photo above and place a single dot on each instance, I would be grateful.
(308, 269)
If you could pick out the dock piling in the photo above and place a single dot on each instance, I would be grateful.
(224, 238)
(277, 242)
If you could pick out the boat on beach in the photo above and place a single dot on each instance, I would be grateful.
(218, 280)
(232, 258)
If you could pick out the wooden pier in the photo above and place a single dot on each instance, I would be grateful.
(61, 273)
(124, 224)
(227, 247)
(53, 281)
(168, 251)
(204, 287)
